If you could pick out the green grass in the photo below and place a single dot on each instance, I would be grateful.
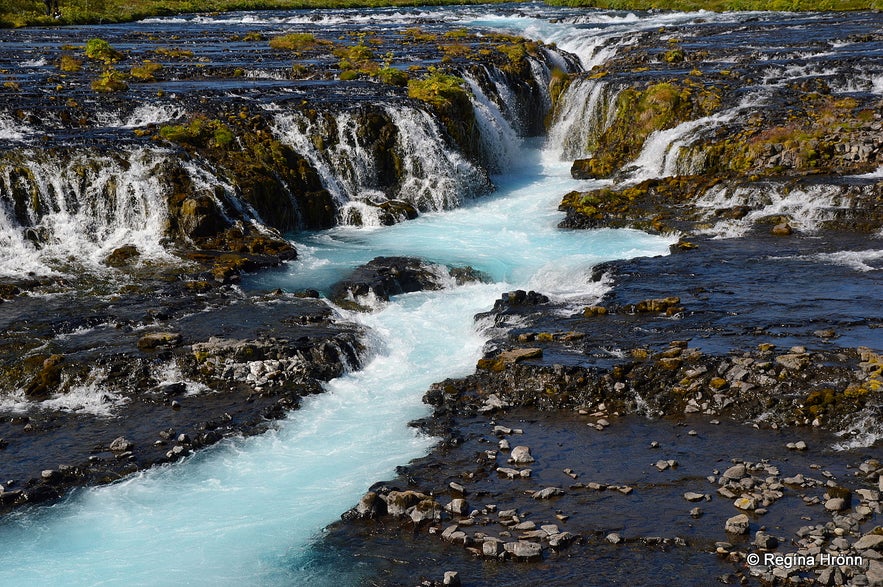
(725, 5)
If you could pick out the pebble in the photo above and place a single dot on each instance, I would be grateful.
(693, 496)
(696, 512)
(452, 579)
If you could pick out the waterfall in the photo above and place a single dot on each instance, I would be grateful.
(58, 207)
(429, 174)
(661, 154)
(584, 112)
(807, 207)
(499, 142)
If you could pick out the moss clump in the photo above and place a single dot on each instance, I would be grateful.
(439, 89)
(393, 76)
(200, 132)
(356, 60)
(100, 50)
(296, 42)
(174, 53)
(69, 64)
(110, 80)
(145, 72)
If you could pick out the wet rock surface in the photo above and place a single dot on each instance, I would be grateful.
(146, 379)
(383, 277)
(550, 445)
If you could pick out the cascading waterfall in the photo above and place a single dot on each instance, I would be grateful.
(584, 112)
(58, 209)
(807, 207)
(499, 142)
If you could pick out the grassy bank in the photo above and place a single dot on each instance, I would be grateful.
(725, 5)
(15, 13)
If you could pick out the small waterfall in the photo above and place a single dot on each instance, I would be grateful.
(661, 154)
(807, 208)
(426, 172)
(584, 112)
(435, 176)
(499, 142)
(61, 207)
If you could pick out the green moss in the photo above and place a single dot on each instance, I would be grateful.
(200, 132)
(438, 89)
(640, 112)
(100, 50)
(69, 64)
(296, 42)
(110, 80)
(174, 53)
(393, 76)
(146, 71)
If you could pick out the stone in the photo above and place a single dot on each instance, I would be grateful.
(874, 573)
(613, 538)
(836, 504)
(521, 455)
(370, 506)
(525, 526)
(735, 472)
(398, 502)
(120, 444)
(457, 487)
(794, 361)
(457, 506)
(524, 550)
(869, 542)
(783, 229)
(452, 579)
(693, 496)
(155, 340)
(696, 512)
(424, 511)
(547, 493)
(492, 547)
(765, 541)
(561, 539)
(745, 503)
(737, 524)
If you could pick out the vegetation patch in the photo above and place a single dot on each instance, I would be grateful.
(200, 132)
(110, 80)
(145, 72)
(100, 50)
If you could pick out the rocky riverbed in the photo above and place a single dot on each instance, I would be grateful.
(678, 422)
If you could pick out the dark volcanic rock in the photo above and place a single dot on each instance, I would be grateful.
(384, 277)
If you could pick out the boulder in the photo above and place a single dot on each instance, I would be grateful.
(737, 524)
(155, 340)
(524, 549)
(521, 455)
